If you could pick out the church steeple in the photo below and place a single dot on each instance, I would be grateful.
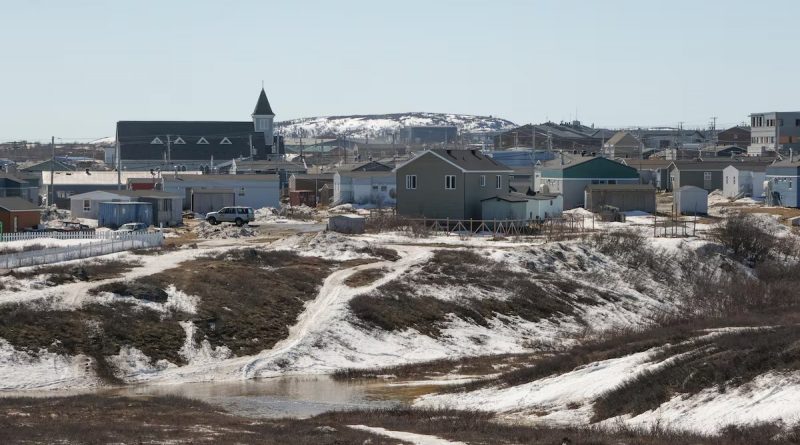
(262, 123)
(262, 106)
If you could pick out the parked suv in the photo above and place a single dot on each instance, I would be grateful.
(237, 215)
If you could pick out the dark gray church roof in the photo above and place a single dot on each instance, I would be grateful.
(189, 140)
(262, 106)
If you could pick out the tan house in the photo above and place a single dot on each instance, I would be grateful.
(623, 145)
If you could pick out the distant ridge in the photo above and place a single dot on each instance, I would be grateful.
(379, 126)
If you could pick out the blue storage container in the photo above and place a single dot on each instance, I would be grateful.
(115, 214)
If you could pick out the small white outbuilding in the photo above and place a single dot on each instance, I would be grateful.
(691, 200)
(738, 181)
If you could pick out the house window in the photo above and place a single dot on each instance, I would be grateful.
(166, 205)
(156, 141)
(225, 141)
(383, 188)
(483, 180)
(411, 182)
(498, 182)
(450, 182)
(726, 179)
(179, 140)
(790, 184)
(734, 180)
(375, 187)
(706, 176)
(241, 191)
(202, 141)
(87, 205)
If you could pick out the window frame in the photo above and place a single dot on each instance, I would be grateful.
(447, 182)
(483, 181)
(87, 208)
(411, 182)
(498, 182)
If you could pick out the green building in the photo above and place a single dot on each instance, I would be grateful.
(568, 175)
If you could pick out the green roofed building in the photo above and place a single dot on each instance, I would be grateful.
(569, 174)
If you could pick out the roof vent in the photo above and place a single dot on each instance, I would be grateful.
(594, 153)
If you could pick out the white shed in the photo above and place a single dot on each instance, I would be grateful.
(738, 181)
(542, 206)
(520, 207)
(691, 200)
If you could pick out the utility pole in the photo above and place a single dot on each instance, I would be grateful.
(119, 167)
(714, 130)
(51, 199)
(169, 154)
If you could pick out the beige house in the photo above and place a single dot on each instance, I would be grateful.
(623, 145)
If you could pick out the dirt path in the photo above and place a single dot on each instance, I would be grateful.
(335, 292)
(316, 317)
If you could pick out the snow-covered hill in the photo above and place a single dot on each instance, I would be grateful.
(376, 126)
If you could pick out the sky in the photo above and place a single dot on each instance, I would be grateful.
(73, 69)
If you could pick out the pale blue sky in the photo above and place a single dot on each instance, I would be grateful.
(73, 68)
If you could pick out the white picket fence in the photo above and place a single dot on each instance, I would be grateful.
(116, 242)
(25, 236)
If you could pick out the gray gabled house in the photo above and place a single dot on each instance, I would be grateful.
(441, 183)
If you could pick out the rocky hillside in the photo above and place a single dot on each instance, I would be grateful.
(377, 126)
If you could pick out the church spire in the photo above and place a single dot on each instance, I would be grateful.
(262, 106)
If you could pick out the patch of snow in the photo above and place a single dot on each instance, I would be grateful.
(133, 362)
(20, 370)
(553, 395)
(204, 353)
(180, 301)
(416, 439)
(771, 397)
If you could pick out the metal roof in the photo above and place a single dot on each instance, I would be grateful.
(15, 204)
(622, 187)
(469, 160)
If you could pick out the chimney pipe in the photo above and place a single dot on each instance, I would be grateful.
(791, 154)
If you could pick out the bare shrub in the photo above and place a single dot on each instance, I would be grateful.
(745, 236)
(632, 249)
(395, 223)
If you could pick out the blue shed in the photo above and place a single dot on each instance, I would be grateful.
(115, 214)
(781, 183)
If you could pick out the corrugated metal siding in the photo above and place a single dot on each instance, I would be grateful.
(115, 214)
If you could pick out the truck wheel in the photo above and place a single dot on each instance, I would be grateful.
(239, 222)
(212, 221)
